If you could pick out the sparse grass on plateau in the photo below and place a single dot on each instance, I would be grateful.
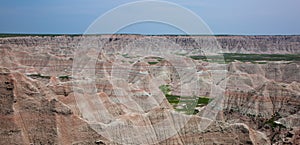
(253, 58)
(190, 102)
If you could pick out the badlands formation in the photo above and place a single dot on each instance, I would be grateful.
(134, 89)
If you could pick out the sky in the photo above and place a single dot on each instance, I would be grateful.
(233, 17)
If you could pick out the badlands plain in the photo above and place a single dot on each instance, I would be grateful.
(136, 89)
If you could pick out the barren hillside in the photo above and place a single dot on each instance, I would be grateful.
(135, 89)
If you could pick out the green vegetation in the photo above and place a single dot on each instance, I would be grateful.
(125, 55)
(64, 77)
(165, 89)
(203, 100)
(261, 57)
(159, 59)
(253, 58)
(155, 57)
(173, 99)
(47, 77)
(189, 101)
(39, 76)
(152, 62)
(199, 57)
(271, 122)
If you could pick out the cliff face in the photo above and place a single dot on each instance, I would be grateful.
(261, 44)
(44, 102)
(31, 114)
(65, 45)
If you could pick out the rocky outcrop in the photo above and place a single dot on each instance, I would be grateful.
(37, 114)
(65, 45)
(30, 115)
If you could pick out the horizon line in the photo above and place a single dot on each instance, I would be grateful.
(172, 34)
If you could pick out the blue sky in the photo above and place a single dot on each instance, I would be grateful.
(251, 17)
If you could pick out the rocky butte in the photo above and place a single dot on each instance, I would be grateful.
(136, 89)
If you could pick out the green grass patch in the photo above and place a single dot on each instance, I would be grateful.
(261, 57)
(203, 100)
(64, 77)
(152, 62)
(125, 55)
(190, 101)
(173, 99)
(39, 76)
(166, 89)
(254, 58)
(199, 57)
(157, 58)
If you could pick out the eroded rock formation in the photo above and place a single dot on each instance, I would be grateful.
(261, 102)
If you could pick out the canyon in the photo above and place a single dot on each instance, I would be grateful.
(139, 89)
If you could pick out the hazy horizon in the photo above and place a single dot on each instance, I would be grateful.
(75, 34)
